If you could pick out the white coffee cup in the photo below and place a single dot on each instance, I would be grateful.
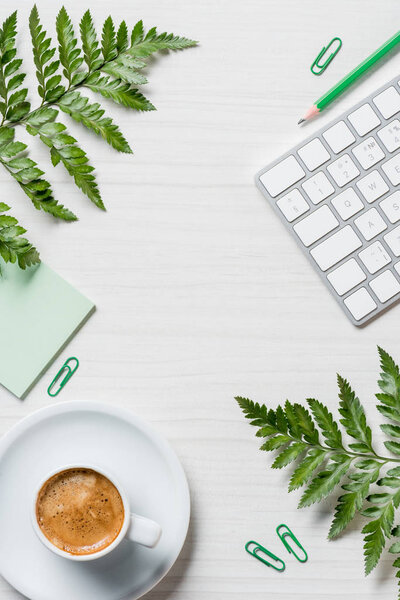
(136, 528)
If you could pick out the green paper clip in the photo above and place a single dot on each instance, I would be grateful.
(68, 374)
(288, 533)
(321, 68)
(260, 549)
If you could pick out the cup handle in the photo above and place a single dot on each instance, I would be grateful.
(144, 531)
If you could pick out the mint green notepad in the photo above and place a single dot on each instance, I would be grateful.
(39, 314)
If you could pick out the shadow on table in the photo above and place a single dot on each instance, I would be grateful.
(168, 587)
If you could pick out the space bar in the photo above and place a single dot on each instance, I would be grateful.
(335, 248)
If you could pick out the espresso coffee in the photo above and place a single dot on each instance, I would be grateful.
(80, 511)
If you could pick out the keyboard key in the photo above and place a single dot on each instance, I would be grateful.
(339, 137)
(318, 187)
(391, 207)
(347, 204)
(388, 102)
(364, 119)
(336, 247)
(343, 170)
(397, 267)
(293, 205)
(393, 240)
(370, 224)
(360, 304)
(385, 286)
(282, 176)
(313, 154)
(375, 257)
(390, 136)
(372, 186)
(368, 153)
(313, 228)
(346, 277)
(392, 169)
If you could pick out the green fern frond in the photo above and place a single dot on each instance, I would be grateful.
(119, 70)
(64, 149)
(324, 465)
(354, 419)
(49, 87)
(111, 68)
(118, 91)
(13, 104)
(122, 37)
(109, 41)
(90, 45)
(144, 45)
(13, 247)
(91, 116)
(70, 54)
(26, 172)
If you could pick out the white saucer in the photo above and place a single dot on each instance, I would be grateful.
(147, 467)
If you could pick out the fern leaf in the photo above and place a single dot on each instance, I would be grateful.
(70, 54)
(293, 423)
(393, 430)
(109, 40)
(90, 45)
(137, 33)
(306, 468)
(118, 91)
(393, 447)
(143, 46)
(376, 531)
(8, 32)
(39, 191)
(306, 424)
(281, 420)
(26, 172)
(256, 413)
(275, 442)
(49, 87)
(354, 417)
(120, 71)
(348, 504)
(64, 148)
(91, 116)
(389, 383)
(13, 247)
(329, 427)
(130, 61)
(13, 107)
(289, 455)
(122, 37)
(326, 480)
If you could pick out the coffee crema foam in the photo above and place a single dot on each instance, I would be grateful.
(80, 511)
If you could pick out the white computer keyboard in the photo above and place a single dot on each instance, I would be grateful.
(338, 193)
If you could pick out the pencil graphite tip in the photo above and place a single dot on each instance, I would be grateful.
(300, 121)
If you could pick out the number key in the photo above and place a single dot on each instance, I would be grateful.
(390, 135)
(368, 153)
(343, 170)
(293, 205)
(318, 187)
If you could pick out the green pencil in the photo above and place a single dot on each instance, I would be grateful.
(346, 82)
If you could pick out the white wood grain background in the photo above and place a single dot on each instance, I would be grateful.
(201, 293)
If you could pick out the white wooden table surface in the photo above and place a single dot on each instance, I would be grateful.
(201, 294)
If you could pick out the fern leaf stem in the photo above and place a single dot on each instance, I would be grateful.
(350, 453)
